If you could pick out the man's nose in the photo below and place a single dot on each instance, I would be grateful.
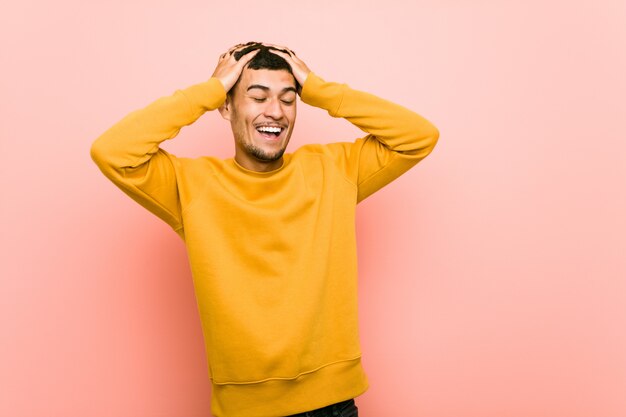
(274, 109)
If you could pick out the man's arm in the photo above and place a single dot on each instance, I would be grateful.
(397, 138)
(128, 153)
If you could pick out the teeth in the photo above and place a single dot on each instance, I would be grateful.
(269, 129)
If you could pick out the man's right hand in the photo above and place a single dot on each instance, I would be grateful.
(229, 69)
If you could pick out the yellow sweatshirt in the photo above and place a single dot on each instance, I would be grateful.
(273, 254)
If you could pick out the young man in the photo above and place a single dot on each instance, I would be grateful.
(270, 235)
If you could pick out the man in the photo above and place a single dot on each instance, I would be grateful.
(270, 235)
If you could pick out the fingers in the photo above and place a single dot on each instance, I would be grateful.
(280, 48)
(232, 50)
(229, 69)
(248, 56)
(274, 48)
(235, 48)
(299, 69)
(282, 51)
(290, 58)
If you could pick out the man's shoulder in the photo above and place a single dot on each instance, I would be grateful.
(332, 149)
(201, 165)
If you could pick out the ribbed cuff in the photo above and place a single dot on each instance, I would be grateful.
(322, 94)
(205, 96)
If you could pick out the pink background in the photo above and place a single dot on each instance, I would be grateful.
(493, 275)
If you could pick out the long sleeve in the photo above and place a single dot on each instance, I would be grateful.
(397, 137)
(128, 153)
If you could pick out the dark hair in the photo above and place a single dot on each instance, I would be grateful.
(264, 59)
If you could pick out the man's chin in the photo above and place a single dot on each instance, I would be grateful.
(270, 158)
(263, 156)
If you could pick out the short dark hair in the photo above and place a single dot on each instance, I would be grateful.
(264, 59)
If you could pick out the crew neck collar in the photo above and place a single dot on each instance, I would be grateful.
(246, 171)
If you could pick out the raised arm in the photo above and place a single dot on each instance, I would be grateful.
(397, 139)
(128, 153)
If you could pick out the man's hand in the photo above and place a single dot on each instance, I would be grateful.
(229, 69)
(299, 68)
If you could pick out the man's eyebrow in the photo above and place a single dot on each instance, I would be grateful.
(262, 87)
(265, 88)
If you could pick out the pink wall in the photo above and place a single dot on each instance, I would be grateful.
(493, 275)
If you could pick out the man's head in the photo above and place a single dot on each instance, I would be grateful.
(261, 108)
(264, 59)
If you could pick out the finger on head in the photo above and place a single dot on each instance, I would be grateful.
(233, 49)
(271, 45)
(244, 59)
(281, 54)
(246, 50)
(239, 45)
(250, 53)
(228, 52)
(280, 48)
(285, 51)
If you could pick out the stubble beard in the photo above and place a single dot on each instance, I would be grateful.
(261, 155)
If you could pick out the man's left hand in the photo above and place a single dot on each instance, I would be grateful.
(298, 67)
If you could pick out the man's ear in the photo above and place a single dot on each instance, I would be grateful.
(225, 108)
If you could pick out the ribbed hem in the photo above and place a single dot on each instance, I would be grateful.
(274, 398)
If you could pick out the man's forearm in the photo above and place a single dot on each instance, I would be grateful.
(397, 137)
(134, 139)
(399, 128)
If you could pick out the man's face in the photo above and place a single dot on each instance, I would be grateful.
(262, 114)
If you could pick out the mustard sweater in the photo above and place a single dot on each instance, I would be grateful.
(273, 254)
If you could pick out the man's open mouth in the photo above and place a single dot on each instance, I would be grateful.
(270, 132)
